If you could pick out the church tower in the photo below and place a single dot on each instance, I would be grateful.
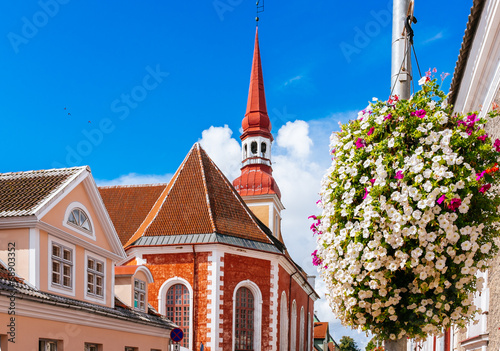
(256, 184)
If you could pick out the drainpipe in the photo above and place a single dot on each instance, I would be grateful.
(195, 298)
(308, 322)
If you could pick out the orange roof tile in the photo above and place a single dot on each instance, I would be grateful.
(22, 192)
(129, 205)
(200, 200)
(320, 330)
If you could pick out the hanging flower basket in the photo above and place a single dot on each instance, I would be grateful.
(408, 216)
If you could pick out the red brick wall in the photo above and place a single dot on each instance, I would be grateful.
(237, 269)
(166, 266)
(298, 294)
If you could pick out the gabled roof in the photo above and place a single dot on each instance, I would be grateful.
(198, 200)
(320, 330)
(129, 205)
(24, 193)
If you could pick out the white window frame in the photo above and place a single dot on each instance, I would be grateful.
(257, 312)
(93, 297)
(162, 299)
(144, 292)
(78, 205)
(54, 288)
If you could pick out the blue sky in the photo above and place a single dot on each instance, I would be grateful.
(128, 87)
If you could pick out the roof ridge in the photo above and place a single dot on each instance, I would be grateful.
(7, 174)
(131, 185)
(157, 206)
(207, 194)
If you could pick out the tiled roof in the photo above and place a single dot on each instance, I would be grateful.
(463, 56)
(121, 311)
(320, 330)
(129, 205)
(21, 193)
(200, 200)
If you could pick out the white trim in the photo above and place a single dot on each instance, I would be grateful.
(48, 311)
(99, 300)
(112, 290)
(162, 299)
(257, 297)
(49, 267)
(61, 234)
(215, 299)
(34, 257)
(76, 229)
(147, 272)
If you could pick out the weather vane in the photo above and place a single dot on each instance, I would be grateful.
(260, 8)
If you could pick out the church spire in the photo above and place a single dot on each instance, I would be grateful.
(256, 184)
(256, 121)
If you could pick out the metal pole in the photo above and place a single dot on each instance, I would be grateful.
(401, 56)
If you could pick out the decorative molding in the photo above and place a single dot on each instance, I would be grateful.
(273, 320)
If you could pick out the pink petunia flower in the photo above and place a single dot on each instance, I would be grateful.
(480, 175)
(370, 132)
(455, 203)
(497, 145)
(485, 188)
(482, 137)
(389, 116)
(441, 199)
(366, 193)
(399, 175)
(419, 113)
(360, 143)
(372, 181)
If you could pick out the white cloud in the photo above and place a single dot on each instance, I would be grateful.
(222, 149)
(294, 136)
(292, 80)
(434, 38)
(134, 178)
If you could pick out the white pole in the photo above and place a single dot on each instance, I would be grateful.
(401, 55)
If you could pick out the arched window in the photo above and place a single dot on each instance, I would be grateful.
(283, 323)
(178, 309)
(253, 147)
(244, 319)
(293, 327)
(80, 219)
(263, 148)
(301, 330)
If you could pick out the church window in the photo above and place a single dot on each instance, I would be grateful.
(253, 147)
(283, 323)
(80, 219)
(301, 330)
(177, 309)
(244, 319)
(263, 148)
(293, 327)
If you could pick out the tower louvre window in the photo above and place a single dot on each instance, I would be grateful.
(263, 149)
(253, 147)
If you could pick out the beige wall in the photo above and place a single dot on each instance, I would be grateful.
(55, 217)
(72, 337)
(20, 238)
(124, 289)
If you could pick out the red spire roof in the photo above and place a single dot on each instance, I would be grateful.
(256, 121)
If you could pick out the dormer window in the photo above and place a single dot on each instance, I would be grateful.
(139, 295)
(80, 219)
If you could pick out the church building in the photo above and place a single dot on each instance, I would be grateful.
(219, 265)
